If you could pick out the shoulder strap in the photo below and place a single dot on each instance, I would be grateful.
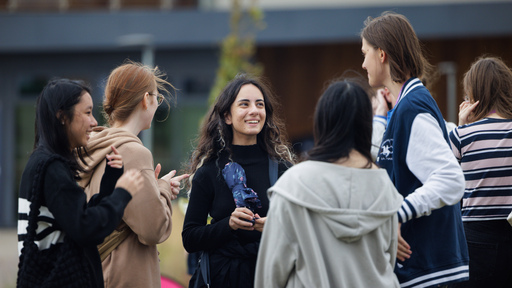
(112, 241)
(272, 171)
(36, 196)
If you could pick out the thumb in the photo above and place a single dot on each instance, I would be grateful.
(158, 168)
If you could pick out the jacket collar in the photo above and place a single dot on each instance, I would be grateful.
(409, 85)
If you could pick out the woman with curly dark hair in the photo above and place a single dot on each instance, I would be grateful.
(243, 132)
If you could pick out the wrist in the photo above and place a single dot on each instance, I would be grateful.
(381, 112)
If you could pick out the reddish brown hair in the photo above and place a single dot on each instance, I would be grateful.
(126, 87)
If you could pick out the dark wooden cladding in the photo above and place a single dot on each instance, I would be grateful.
(300, 73)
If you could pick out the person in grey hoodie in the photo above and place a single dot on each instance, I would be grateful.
(332, 220)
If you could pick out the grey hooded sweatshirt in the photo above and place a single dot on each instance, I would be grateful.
(330, 226)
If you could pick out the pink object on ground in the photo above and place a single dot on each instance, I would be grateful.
(169, 283)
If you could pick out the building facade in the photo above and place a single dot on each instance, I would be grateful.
(303, 46)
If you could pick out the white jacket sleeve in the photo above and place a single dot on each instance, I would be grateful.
(431, 160)
(277, 252)
(379, 127)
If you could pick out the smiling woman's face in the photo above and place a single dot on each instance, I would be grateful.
(83, 121)
(247, 115)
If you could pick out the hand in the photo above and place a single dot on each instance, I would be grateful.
(241, 218)
(131, 181)
(381, 102)
(259, 222)
(404, 250)
(465, 112)
(115, 160)
(174, 182)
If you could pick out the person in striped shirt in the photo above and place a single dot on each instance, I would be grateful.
(483, 145)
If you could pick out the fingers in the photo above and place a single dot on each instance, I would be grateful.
(169, 176)
(174, 182)
(244, 211)
(386, 92)
(382, 102)
(404, 250)
(381, 94)
(176, 185)
(386, 95)
(115, 160)
(175, 189)
(114, 150)
(241, 218)
(115, 163)
(158, 168)
(180, 177)
(465, 112)
(259, 222)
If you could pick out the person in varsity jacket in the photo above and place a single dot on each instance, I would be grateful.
(432, 250)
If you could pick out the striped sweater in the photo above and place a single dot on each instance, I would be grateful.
(64, 211)
(484, 151)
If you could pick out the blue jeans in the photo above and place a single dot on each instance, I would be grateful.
(490, 254)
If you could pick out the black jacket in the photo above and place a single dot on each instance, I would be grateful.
(69, 217)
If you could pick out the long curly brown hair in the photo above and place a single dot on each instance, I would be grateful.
(216, 136)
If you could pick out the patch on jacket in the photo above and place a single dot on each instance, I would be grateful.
(386, 150)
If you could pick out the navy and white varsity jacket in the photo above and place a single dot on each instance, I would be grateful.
(416, 153)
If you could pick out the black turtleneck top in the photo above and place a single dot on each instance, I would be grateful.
(210, 195)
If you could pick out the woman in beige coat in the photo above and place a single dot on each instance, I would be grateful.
(131, 100)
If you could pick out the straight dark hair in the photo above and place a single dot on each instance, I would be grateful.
(55, 104)
(342, 122)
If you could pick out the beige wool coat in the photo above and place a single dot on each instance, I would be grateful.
(134, 263)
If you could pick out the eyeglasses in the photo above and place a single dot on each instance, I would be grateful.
(159, 98)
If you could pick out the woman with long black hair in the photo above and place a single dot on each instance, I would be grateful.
(57, 229)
